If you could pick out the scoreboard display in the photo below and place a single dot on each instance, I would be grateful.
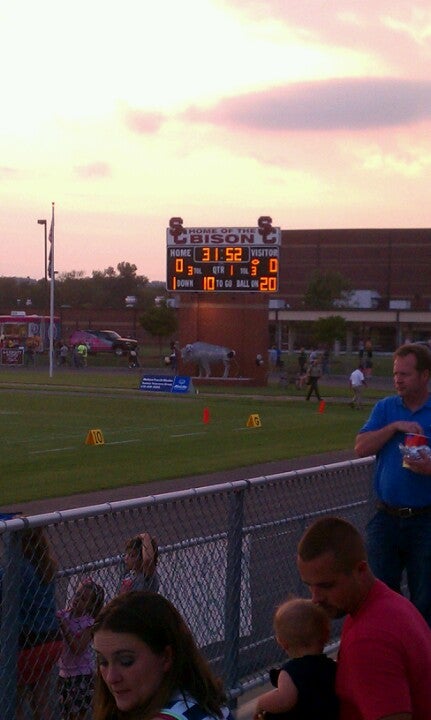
(223, 259)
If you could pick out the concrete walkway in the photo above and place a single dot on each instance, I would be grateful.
(247, 702)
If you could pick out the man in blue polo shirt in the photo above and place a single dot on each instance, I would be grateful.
(399, 535)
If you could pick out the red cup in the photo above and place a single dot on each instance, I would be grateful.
(413, 440)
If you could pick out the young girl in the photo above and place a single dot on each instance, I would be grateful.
(140, 560)
(76, 664)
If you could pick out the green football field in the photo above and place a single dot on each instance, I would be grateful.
(44, 428)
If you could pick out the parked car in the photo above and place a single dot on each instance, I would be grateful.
(103, 341)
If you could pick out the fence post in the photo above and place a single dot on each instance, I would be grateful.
(232, 610)
(9, 630)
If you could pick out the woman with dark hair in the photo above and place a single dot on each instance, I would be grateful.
(149, 666)
(39, 642)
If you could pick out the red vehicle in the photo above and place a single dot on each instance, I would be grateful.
(103, 341)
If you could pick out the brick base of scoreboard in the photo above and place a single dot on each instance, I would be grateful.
(237, 321)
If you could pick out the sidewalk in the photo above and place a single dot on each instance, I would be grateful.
(247, 702)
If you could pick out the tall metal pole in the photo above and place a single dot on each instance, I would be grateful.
(389, 288)
(51, 305)
(46, 253)
(46, 299)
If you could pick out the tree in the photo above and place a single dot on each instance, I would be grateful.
(75, 289)
(11, 289)
(127, 270)
(329, 329)
(106, 288)
(159, 321)
(325, 288)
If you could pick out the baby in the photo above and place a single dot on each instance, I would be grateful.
(305, 685)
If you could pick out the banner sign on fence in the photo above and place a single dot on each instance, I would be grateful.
(166, 383)
(12, 356)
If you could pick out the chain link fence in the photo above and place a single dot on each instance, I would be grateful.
(227, 557)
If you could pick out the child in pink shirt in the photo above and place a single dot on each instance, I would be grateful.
(77, 664)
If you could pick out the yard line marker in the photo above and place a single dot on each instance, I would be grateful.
(38, 452)
(122, 442)
(189, 434)
(95, 437)
(254, 421)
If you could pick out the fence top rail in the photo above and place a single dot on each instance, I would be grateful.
(311, 471)
(22, 522)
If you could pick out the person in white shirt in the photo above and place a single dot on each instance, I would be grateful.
(357, 381)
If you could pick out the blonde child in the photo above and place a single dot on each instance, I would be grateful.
(77, 663)
(305, 686)
(140, 559)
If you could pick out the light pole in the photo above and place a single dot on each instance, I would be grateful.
(389, 281)
(131, 301)
(43, 222)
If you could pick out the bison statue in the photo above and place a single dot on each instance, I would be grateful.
(205, 355)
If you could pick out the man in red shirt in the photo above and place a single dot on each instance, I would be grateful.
(384, 662)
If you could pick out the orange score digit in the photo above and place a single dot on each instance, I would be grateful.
(253, 270)
(233, 254)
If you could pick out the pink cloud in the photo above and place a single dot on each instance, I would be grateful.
(93, 170)
(7, 171)
(144, 123)
(342, 104)
(397, 33)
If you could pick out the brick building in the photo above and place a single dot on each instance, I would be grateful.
(394, 262)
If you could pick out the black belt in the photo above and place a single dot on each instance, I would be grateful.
(403, 512)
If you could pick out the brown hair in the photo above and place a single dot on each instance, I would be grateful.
(36, 549)
(421, 352)
(156, 622)
(97, 596)
(335, 536)
(135, 544)
(301, 623)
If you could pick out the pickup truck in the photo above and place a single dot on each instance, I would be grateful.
(103, 341)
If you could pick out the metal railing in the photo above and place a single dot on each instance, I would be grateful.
(227, 557)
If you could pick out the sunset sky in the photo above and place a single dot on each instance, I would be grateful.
(315, 112)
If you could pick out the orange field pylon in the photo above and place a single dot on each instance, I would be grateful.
(206, 416)
(321, 408)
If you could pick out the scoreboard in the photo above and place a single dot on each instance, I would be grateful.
(223, 259)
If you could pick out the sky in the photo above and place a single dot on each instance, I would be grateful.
(125, 114)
